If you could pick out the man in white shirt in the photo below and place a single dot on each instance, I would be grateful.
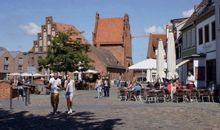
(55, 84)
(190, 81)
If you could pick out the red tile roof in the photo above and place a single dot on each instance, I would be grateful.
(110, 30)
(153, 43)
(60, 27)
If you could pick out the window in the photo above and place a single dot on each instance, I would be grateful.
(213, 31)
(193, 37)
(189, 38)
(5, 67)
(184, 40)
(6, 60)
(41, 49)
(207, 33)
(200, 36)
(20, 61)
(20, 67)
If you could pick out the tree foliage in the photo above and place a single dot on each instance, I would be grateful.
(65, 54)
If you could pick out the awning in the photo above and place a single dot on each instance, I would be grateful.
(182, 63)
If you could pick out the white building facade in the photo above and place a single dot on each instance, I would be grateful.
(205, 68)
(217, 17)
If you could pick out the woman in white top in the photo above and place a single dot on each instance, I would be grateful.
(70, 92)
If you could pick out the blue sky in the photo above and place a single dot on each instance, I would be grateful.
(21, 19)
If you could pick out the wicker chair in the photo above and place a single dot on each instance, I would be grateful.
(123, 94)
(205, 93)
(161, 96)
(179, 95)
(151, 96)
(193, 95)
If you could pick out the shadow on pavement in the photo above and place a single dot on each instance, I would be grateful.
(62, 121)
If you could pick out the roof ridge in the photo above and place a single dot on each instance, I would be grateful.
(63, 24)
(111, 18)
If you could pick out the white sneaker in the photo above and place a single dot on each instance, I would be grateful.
(70, 111)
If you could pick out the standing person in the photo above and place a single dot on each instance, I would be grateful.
(70, 92)
(106, 87)
(54, 84)
(20, 90)
(99, 86)
(190, 81)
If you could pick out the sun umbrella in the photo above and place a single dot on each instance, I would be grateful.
(26, 74)
(144, 65)
(14, 74)
(171, 56)
(76, 72)
(91, 71)
(37, 75)
(160, 60)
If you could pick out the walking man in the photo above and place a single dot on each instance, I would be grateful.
(54, 84)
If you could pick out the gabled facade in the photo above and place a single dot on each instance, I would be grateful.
(105, 63)
(12, 61)
(217, 22)
(153, 44)
(198, 44)
(206, 45)
(49, 30)
(177, 24)
(113, 34)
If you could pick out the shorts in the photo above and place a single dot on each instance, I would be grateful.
(69, 95)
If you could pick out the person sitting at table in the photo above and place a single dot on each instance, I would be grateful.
(129, 88)
(130, 85)
(137, 91)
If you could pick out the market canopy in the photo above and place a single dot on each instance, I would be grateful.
(144, 65)
(26, 74)
(91, 71)
(14, 74)
(37, 75)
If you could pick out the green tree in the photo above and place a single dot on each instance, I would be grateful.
(65, 54)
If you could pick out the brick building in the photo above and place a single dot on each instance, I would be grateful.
(12, 61)
(113, 34)
(48, 31)
(153, 43)
(105, 63)
(5, 91)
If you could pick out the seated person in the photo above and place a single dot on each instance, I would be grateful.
(137, 89)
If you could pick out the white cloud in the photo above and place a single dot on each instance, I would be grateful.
(187, 13)
(30, 28)
(154, 29)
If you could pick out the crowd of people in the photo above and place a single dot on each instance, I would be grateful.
(102, 86)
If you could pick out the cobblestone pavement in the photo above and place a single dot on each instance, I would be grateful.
(110, 113)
